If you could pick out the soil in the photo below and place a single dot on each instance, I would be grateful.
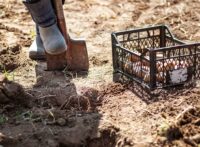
(61, 108)
(9, 59)
(185, 131)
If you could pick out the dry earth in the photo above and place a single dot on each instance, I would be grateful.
(44, 108)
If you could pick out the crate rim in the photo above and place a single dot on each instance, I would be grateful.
(142, 28)
(118, 33)
(162, 48)
(174, 47)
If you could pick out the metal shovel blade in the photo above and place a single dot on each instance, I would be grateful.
(78, 55)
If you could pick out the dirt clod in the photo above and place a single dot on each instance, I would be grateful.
(185, 130)
(173, 133)
(9, 58)
(13, 92)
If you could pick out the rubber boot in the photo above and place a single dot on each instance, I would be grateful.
(44, 16)
(36, 50)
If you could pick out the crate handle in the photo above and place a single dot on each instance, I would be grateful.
(169, 32)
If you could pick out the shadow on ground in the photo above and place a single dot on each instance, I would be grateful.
(54, 115)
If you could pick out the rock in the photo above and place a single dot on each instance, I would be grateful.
(61, 121)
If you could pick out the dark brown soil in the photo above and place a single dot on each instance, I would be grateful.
(11, 92)
(32, 120)
(9, 58)
(185, 131)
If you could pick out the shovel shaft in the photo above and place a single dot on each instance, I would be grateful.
(61, 18)
(58, 6)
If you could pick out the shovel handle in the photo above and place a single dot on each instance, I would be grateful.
(61, 18)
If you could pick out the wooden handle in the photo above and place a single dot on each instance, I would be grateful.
(61, 18)
(58, 7)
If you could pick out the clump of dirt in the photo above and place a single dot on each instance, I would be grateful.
(9, 57)
(93, 95)
(12, 92)
(112, 89)
(98, 62)
(186, 131)
(108, 137)
(77, 103)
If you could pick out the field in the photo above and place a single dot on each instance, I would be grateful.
(61, 108)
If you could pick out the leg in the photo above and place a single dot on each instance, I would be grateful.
(43, 14)
(36, 50)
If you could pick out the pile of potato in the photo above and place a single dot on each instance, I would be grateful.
(141, 68)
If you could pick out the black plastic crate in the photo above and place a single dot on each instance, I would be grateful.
(154, 58)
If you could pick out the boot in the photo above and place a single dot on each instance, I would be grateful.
(44, 16)
(36, 50)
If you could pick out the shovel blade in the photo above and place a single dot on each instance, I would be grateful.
(78, 55)
(56, 62)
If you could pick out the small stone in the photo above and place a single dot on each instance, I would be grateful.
(61, 121)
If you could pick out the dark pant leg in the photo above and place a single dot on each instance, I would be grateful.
(41, 11)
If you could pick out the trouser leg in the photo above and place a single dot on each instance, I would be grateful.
(44, 16)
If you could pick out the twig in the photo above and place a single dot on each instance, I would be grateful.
(179, 103)
(161, 19)
(51, 131)
(33, 126)
(149, 112)
(29, 94)
(185, 111)
(46, 96)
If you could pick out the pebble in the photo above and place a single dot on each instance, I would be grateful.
(61, 121)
